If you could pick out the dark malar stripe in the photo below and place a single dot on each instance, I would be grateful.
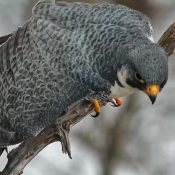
(119, 83)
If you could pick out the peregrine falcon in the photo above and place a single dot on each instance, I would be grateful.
(68, 51)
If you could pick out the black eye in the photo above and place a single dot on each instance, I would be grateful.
(139, 78)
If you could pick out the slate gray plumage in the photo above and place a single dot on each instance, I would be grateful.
(63, 53)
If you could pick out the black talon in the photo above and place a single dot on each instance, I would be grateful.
(114, 104)
(96, 115)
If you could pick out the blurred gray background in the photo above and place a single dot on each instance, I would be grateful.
(135, 139)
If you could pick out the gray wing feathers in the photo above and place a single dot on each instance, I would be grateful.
(37, 61)
(6, 136)
(67, 14)
(4, 38)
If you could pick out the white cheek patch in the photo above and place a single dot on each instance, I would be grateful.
(118, 91)
(122, 77)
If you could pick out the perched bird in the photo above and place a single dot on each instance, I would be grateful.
(68, 51)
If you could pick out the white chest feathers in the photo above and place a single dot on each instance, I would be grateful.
(118, 91)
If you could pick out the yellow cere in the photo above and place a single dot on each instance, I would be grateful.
(152, 89)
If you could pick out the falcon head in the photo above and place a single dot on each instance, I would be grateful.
(144, 68)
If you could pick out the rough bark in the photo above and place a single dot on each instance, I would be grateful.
(167, 41)
(59, 131)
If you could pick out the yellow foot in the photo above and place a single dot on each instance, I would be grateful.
(97, 107)
(117, 102)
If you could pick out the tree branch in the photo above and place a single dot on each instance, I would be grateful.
(167, 41)
(58, 131)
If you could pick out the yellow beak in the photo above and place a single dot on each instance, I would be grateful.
(152, 91)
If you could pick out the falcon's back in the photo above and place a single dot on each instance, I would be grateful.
(67, 15)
